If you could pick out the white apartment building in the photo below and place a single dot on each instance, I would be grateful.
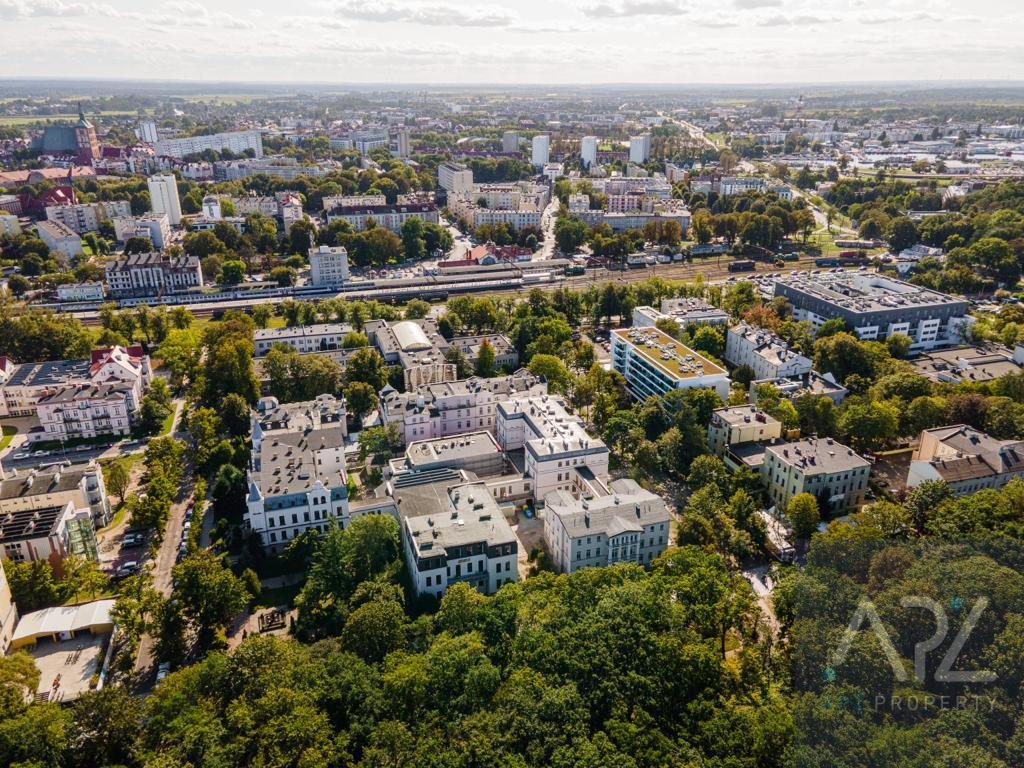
(558, 454)
(446, 409)
(155, 226)
(296, 479)
(737, 185)
(86, 411)
(768, 355)
(454, 177)
(541, 150)
(80, 292)
(389, 216)
(510, 141)
(683, 312)
(654, 363)
(588, 150)
(87, 217)
(629, 525)
(163, 195)
(60, 239)
(22, 385)
(235, 141)
(639, 148)
(467, 540)
(40, 530)
(328, 267)
(321, 337)
(353, 201)
(153, 274)
(822, 467)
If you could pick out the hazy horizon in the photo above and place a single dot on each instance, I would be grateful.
(588, 42)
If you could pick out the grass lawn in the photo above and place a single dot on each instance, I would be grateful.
(165, 428)
(9, 432)
(271, 598)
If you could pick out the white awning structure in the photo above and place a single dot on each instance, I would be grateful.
(51, 622)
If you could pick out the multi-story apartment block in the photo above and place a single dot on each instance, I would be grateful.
(654, 363)
(875, 307)
(737, 185)
(153, 274)
(389, 216)
(328, 267)
(639, 148)
(740, 425)
(629, 525)
(81, 483)
(25, 384)
(234, 141)
(467, 540)
(683, 312)
(85, 411)
(353, 201)
(87, 217)
(820, 466)
(558, 454)
(60, 239)
(454, 177)
(967, 459)
(588, 150)
(297, 478)
(322, 337)
(768, 355)
(510, 141)
(541, 146)
(452, 408)
(37, 529)
(155, 226)
(163, 197)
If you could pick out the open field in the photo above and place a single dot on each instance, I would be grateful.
(45, 119)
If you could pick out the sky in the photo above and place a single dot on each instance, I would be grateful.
(523, 42)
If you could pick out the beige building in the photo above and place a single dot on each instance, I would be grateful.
(740, 425)
(966, 458)
(820, 466)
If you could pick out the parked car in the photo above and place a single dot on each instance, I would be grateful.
(22, 455)
(133, 540)
(163, 670)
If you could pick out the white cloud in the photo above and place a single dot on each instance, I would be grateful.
(748, 4)
(629, 8)
(428, 14)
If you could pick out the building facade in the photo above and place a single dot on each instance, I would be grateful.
(965, 458)
(296, 479)
(653, 363)
(768, 355)
(163, 196)
(822, 467)
(328, 267)
(875, 306)
(469, 540)
(153, 274)
(629, 525)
